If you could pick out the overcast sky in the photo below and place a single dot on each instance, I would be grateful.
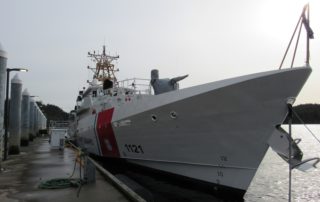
(209, 40)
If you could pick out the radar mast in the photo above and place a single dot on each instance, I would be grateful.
(104, 69)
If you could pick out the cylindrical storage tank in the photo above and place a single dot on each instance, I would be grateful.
(3, 79)
(15, 115)
(44, 122)
(25, 110)
(31, 120)
(39, 120)
(35, 119)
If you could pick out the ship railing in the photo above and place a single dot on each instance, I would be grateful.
(137, 85)
(59, 124)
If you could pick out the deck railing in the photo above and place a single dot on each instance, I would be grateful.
(139, 86)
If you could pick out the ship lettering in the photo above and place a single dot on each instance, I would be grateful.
(134, 148)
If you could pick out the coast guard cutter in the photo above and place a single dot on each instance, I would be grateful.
(216, 133)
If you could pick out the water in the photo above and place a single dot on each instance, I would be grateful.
(269, 184)
(271, 180)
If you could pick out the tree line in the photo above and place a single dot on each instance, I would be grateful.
(308, 113)
(53, 112)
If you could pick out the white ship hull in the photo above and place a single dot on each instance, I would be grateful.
(216, 132)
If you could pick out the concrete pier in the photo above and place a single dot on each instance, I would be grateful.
(3, 66)
(37, 163)
(15, 116)
(25, 110)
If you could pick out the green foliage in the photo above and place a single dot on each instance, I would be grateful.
(309, 113)
(53, 112)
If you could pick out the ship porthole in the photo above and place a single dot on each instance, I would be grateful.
(153, 117)
(173, 114)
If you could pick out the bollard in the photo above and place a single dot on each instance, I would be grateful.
(3, 66)
(89, 171)
(15, 116)
(25, 110)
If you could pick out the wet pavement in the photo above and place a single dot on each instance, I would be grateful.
(37, 163)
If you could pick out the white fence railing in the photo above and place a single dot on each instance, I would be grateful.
(139, 86)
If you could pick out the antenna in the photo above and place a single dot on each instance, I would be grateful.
(104, 68)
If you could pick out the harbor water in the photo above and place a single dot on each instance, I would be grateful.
(269, 184)
(271, 180)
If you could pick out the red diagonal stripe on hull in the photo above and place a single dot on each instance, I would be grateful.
(106, 136)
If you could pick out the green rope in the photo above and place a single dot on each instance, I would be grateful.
(60, 183)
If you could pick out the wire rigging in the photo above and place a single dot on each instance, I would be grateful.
(296, 114)
(303, 20)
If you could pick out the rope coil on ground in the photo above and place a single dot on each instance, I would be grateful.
(60, 183)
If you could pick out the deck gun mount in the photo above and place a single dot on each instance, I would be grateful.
(164, 85)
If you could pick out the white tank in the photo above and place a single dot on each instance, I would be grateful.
(15, 115)
(35, 119)
(25, 121)
(3, 66)
(31, 119)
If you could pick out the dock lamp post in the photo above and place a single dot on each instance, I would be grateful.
(6, 110)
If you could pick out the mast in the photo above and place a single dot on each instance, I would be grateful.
(303, 20)
(104, 69)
